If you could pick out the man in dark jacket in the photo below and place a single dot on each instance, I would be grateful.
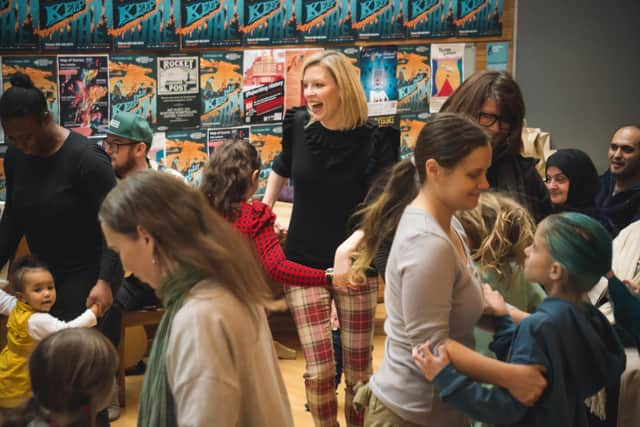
(619, 196)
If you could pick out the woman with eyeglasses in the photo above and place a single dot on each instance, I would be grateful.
(55, 181)
(494, 100)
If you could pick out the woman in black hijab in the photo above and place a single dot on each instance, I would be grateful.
(572, 181)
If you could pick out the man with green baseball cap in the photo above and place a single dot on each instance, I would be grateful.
(128, 141)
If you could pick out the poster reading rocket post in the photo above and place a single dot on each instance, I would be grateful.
(378, 77)
(220, 89)
(42, 71)
(447, 72)
(270, 22)
(479, 17)
(75, 25)
(414, 78)
(430, 18)
(132, 85)
(207, 23)
(178, 91)
(18, 24)
(84, 85)
(378, 20)
(145, 24)
(325, 21)
(263, 85)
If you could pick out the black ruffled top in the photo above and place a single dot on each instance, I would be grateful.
(331, 172)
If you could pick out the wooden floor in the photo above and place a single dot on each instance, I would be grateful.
(292, 371)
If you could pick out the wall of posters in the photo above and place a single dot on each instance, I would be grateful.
(479, 17)
(43, 73)
(325, 21)
(430, 18)
(145, 24)
(414, 78)
(19, 21)
(132, 85)
(447, 72)
(73, 25)
(178, 92)
(207, 23)
(186, 152)
(378, 20)
(270, 22)
(84, 86)
(378, 78)
(263, 85)
(268, 141)
(220, 89)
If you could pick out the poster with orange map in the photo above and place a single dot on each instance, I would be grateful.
(220, 89)
(410, 127)
(132, 86)
(267, 139)
(447, 72)
(414, 78)
(186, 151)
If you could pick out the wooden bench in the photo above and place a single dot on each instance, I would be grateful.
(129, 319)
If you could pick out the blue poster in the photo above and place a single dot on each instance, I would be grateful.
(132, 85)
(75, 24)
(430, 18)
(207, 23)
(18, 24)
(220, 89)
(378, 78)
(498, 56)
(378, 19)
(414, 78)
(43, 73)
(325, 21)
(479, 17)
(145, 24)
(270, 22)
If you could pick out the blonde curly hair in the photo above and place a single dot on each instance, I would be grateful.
(499, 229)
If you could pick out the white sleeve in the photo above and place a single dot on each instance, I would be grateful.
(7, 303)
(42, 324)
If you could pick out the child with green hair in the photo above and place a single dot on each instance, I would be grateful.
(570, 338)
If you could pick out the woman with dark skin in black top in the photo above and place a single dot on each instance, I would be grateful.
(332, 153)
(55, 181)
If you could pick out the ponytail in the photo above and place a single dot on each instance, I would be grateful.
(380, 218)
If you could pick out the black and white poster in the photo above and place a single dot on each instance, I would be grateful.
(178, 92)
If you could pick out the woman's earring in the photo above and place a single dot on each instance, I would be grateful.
(154, 260)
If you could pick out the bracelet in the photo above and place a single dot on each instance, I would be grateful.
(328, 273)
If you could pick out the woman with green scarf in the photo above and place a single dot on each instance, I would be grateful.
(212, 361)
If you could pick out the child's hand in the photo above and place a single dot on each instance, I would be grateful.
(494, 302)
(430, 364)
(95, 308)
(281, 232)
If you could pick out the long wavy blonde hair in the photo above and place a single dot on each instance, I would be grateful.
(499, 229)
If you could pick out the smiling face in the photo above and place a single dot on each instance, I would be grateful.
(558, 185)
(322, 96)
(28, 134)
(459, 188)
(38, 289)
(624, 153)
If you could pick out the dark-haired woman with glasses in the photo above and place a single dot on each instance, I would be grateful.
(494, 100)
